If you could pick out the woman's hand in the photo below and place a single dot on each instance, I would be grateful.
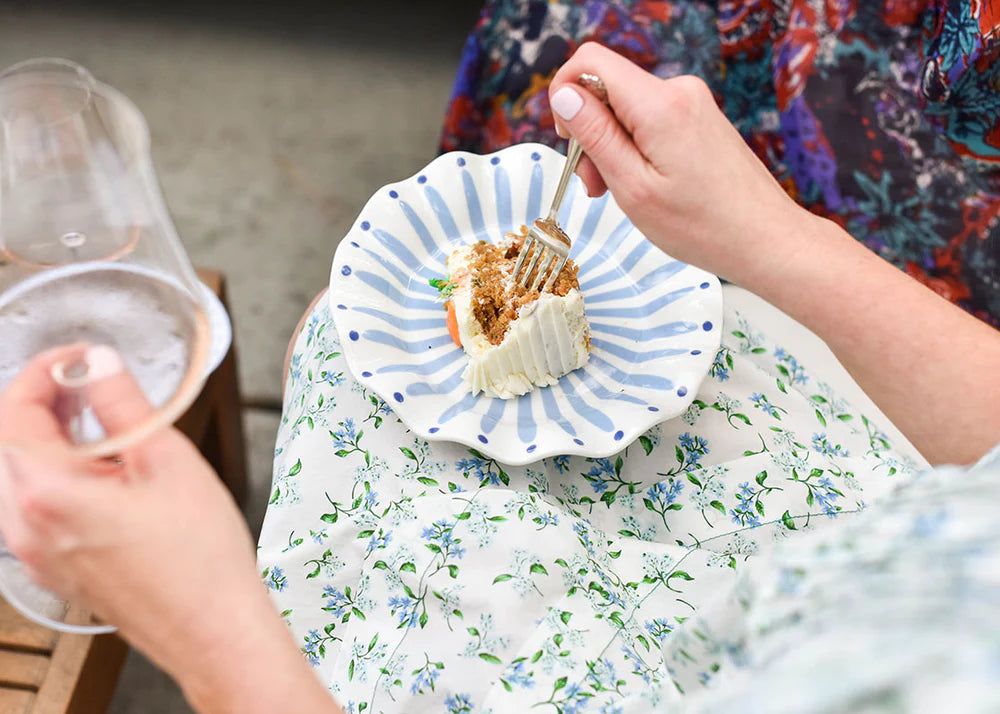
(676, 166)
(155, 545)
(687, 180)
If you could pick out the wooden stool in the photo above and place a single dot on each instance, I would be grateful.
(46, 672)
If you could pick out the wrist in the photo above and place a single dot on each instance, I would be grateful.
(251, 666)
(248, 663)
(807, 264)
(220, 654)
(776, 249)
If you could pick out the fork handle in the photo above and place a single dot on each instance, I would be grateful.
(573, 154)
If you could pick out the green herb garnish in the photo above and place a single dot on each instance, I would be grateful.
(444, 287)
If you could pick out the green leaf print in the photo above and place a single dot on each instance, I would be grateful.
(677, 574)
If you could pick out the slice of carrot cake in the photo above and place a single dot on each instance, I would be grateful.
(516, 339)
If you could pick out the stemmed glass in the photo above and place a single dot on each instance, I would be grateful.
(88, 255)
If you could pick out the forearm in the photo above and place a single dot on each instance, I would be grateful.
(930, 366)
(251, 667)
(295, 337)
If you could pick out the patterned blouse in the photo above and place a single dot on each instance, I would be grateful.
(882, 116)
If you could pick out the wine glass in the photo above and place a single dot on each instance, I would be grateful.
(88, 255)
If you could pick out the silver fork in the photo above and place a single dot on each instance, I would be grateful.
(547, 242)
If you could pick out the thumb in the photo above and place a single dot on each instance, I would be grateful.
(604, 140)
(114, 395)
(121, 405)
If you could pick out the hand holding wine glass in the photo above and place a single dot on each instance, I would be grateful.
(90, 264)
(154, 520)
(150, 540)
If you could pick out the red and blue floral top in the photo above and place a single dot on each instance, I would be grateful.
(883, 116)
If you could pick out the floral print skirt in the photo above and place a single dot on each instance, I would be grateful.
(425, 577)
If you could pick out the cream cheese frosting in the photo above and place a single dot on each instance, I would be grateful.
(548, 339)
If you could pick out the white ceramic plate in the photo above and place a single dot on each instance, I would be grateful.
(655, 322)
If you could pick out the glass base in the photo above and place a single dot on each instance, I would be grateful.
(36, 603)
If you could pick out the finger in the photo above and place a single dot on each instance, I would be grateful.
(112, 392)
(591, 178)
(29, 404)
(120, 406)
(45, 492)
(629, 87)
(602, 138)
(8, 513)
(588, 173)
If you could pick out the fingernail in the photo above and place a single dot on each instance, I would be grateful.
(96, 363)
(567, 103)
(102, 362)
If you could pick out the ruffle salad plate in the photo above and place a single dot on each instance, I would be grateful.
(655, 321)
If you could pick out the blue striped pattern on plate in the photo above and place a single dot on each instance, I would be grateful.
(655, 322)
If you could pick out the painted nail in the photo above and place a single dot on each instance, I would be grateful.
(102, 362)
(567, 103)
(96, 363)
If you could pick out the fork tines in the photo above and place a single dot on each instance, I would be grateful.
(549, 250)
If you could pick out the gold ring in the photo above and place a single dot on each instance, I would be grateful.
(595, 85)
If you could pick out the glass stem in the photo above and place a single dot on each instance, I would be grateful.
(72, 376)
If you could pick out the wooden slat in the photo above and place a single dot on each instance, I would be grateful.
(225, 448)
(21, 669)
(99, 677)
(211, 278)
(15, 701)
(194, 422)
(63, 675)
(19, 633)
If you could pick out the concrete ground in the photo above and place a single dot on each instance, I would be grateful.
(270, 127)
